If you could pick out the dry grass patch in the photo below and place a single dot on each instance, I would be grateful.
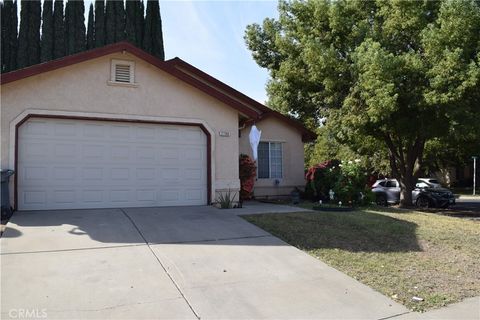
(400, 253)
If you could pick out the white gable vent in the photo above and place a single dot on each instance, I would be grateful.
(122, 72)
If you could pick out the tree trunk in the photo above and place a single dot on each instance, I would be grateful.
(407, 185)
(406, 162)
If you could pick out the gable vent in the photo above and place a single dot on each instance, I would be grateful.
(123, 73)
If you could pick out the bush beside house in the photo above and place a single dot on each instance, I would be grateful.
(248, 172)
(348, 181)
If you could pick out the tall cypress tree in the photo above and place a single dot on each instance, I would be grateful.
(9, 35)
(79, 26)
(130, 22)
(147, 34)
(91, 29)
(29, 34)
(119, 21)
(134, 22)
(75, 26)
(153, 37)
(58, 30)
(110, 22)
(46, 45)
(140, 23)
(99, 23)
(69, 34)
(22, 59)
(3, 36)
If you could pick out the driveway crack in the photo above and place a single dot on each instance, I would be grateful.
(161, 264)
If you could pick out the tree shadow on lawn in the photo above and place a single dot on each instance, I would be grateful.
(352, 231)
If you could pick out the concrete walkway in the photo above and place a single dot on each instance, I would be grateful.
(169, 263)
(256, 207)
(469, 309)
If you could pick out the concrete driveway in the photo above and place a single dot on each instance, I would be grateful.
(175, 263)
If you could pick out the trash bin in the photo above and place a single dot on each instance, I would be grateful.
(295, 194)
(6, 207)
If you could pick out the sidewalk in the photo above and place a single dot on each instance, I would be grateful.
(468, 309)
(257, 207)
(468, 197)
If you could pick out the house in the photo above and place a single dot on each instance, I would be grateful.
(117, 127)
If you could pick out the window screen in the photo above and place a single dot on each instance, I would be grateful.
(270, 160)
(263, 160)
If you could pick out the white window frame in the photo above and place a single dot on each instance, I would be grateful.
(114, 63)
(270, 160)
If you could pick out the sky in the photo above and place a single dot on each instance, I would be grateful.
(209, 35)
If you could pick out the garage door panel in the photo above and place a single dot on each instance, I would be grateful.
(65, 129)
(64, 196)
(36, 128)
(94, 164)
(34, 197)
(93, 195)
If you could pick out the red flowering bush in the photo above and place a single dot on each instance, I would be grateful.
(248, 172)
(348, 181)
(320, 179)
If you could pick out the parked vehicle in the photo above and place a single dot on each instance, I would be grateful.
(434, 183)
(425, 195)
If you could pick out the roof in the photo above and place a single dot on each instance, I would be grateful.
(248, 107)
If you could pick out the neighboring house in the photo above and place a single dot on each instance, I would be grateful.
(116, 127)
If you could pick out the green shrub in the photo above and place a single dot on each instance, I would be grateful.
(348, 180)
(226, 199)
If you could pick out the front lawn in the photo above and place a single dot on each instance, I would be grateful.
(400, 253)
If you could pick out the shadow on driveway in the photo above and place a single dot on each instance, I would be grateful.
(92, 228)
(76, 229)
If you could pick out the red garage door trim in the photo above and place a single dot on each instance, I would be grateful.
(192, 124)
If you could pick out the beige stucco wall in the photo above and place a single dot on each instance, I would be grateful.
(274, 130)
(83, 89)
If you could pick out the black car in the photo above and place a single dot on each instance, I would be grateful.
(428, 196)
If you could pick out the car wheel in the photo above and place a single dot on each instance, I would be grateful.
(381, 200)
(423, 203)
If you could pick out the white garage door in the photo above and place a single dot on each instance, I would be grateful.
(69, 164)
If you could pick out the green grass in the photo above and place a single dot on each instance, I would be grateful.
(399, 253)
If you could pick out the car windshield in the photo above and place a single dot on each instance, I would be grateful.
(423, 184)
(433, 181)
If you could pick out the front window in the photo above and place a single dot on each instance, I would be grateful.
(270, 160)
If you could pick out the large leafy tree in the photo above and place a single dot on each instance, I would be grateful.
(9, 35)
(402, 73)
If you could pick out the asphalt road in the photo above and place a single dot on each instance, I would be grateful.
(464, 207)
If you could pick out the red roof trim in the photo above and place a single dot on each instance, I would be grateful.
(125, 46)
(229, 96)
(307, 135)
